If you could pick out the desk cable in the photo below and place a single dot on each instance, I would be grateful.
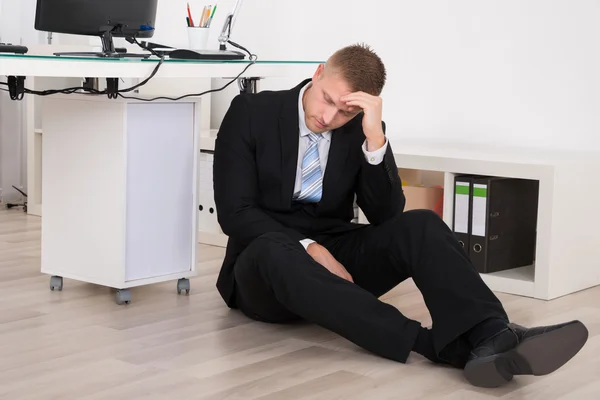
(253, 59)
(17, 89)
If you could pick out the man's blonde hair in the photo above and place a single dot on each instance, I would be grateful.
(361, 67)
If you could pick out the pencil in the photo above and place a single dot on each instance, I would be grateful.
(208, 10)
(211, 16)
(202, 18)
(190, 14)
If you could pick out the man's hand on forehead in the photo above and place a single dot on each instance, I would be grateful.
(372, 107)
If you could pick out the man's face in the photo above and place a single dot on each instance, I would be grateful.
(323, 108)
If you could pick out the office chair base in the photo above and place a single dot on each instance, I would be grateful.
(14, 205)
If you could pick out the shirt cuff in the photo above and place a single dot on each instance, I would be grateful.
(375, 157)
(306, 242)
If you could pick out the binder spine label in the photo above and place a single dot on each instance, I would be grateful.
(461, 207)
(479, 210)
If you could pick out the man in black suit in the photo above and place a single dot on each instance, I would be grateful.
(288, 166)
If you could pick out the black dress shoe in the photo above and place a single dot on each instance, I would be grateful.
(522, 351)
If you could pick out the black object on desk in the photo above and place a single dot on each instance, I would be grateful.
(152, 45)
(13, 48)
(186, 54)
(108, 49)
(106, 19)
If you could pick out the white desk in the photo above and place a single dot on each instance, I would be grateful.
(104, 161)
(60, 67)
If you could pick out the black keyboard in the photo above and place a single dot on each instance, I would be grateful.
(13, 48)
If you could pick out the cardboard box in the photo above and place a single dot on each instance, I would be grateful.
(423, 190)
(430, 198)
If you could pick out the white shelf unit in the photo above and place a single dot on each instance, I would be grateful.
(567, 256)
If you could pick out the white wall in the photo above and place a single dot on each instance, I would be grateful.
(494, 71)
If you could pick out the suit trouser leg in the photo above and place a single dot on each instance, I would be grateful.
(420, 245)
(278, 281)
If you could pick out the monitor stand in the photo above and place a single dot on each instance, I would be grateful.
(108, 50)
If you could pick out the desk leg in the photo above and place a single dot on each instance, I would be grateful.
(249, 85)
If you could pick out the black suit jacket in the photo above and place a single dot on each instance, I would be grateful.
(254, 172)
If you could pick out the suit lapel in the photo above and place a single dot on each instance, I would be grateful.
(338, 154)
(289, 132)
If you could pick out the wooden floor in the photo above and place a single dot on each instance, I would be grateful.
(78, 344)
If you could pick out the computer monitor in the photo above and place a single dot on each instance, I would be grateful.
(103, 18)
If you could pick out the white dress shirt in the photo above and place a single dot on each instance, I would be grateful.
(373, 157)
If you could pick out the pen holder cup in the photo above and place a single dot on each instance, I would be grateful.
(198, 38)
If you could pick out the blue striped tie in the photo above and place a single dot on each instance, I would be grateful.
(312, 179)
